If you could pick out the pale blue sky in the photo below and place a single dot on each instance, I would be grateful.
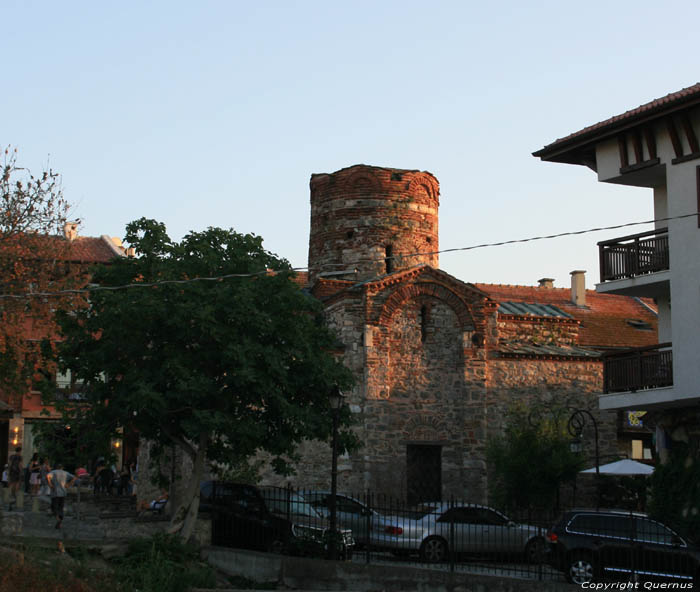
(216, 113)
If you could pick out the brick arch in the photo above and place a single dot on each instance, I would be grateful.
(424, 428)
(427, 182)
(363, 182)
(411, 292)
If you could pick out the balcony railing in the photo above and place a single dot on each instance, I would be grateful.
(637, 369)
(634, 255)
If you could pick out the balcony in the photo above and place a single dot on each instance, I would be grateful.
(635, 265)
(638, 369)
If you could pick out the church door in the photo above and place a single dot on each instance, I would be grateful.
(423, 473)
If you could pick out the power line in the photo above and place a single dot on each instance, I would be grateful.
(219, 278)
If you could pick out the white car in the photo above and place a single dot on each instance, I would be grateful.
(435, 529)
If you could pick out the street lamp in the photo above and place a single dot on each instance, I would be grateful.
(335, 400)
(576, 424)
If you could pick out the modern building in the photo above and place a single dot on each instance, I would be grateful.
(656, 146)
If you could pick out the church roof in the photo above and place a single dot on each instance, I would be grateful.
(607, 320)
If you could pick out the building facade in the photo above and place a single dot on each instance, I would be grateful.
(656, 146)
(73, 254)
(439, 362)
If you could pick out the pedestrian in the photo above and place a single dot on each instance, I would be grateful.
(44, 470)
(14, 473)
(4, 475)
(34, 473)
(59, 480)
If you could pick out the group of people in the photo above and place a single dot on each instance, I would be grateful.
(42, 481)
(39, 479)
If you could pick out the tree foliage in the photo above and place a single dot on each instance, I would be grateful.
(219, 369)
(32, 211)
(675, 489)
(531, 460)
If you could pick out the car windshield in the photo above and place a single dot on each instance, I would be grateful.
(282, 501)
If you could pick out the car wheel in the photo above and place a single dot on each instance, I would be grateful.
(534, 551)
(433, 550)
(581, 570)
(276, 546)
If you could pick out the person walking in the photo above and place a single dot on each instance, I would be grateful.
(59, 480)
(14, 473)
(34, 474)
(43, 473)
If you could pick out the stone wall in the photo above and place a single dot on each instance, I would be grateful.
(538, 330)
(357, 212)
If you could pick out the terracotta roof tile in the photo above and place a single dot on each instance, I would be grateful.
(90, 249)
(691, 93)
(604, 319)
(82, 249)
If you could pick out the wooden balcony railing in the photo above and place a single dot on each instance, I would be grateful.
(637, 369)
(633, 255)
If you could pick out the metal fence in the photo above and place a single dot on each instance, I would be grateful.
(451, 535)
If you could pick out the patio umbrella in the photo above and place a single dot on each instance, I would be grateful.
(623, 467)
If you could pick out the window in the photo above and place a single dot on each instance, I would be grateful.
(653, 532)
(423, 322)
(389, 258)
(601, 525)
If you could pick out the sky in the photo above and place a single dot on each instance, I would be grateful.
(208, 113)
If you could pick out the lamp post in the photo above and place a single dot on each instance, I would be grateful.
(335, 400)
(576, 424)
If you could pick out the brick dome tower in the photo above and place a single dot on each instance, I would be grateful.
(369, 221)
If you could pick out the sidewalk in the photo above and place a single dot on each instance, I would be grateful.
(89, 519)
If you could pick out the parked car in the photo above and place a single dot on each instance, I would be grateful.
(368, 526)
(589, 545)
(268, 519)
(436, 529)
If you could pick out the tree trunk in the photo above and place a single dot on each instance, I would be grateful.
(184, 517)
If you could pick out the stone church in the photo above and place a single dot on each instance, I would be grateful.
(437, 360)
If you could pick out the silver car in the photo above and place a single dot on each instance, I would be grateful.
(368, 526)
(307, 523)
(435, 529)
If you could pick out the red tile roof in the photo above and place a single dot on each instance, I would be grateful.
(82, 249)
(671, 101)
(603, 319)
(90, 249)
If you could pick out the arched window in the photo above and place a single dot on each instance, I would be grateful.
(423, 322)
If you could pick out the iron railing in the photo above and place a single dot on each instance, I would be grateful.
(634, 255)
(451, 535)
(638, 369)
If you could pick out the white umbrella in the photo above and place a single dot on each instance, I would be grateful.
(623, 467)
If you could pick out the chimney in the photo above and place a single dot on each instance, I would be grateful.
(578, 287)
(70, 230)
(546, 282)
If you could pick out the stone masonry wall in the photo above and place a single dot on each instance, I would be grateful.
(543, 383)
(538, 330)
(357, 212)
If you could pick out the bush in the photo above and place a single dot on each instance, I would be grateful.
(675, 491)
(530, 461)
(163, 564)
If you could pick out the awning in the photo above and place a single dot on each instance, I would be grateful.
(623, 467)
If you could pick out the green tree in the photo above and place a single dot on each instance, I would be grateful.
(531, 460)
(675, 489)
(219, 369)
